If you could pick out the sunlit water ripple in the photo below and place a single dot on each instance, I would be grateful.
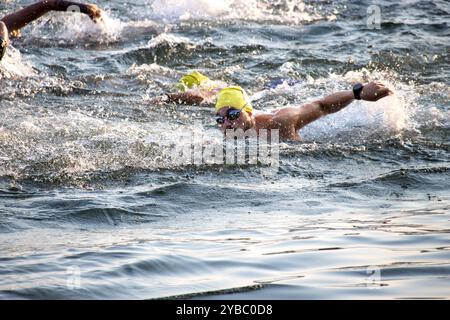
(92, 207)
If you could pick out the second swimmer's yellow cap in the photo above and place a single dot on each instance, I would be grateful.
(190, 80)
(234, 97)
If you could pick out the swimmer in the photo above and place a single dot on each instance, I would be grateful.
(11, 24)
(4, 40)
(193, 89)
(234, 111)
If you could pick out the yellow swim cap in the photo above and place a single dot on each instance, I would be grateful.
(234, 97)
(190, 80)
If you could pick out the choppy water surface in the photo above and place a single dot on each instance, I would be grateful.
(90, 208)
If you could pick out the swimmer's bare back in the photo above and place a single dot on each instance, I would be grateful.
(194, 97)
(17, 20)
(4, 39)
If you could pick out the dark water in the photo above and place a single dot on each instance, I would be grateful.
(91, 208)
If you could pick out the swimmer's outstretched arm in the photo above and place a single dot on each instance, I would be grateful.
(185, 97)
(189, 97)
(310, 112)
(15, 21)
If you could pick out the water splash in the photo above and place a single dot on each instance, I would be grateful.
(68, 28)
(14, 66)
(74, 145)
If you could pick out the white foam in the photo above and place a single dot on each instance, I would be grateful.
(168, 38)
(14, 66)
(186, 9)
(289, 11)
(69, 27)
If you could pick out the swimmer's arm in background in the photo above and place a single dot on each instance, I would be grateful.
(190, 97)
(91, 10)
(335, 102)
(186, 97)
(15, 21)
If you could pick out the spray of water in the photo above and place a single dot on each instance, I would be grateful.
(13, 65)
(286, 11)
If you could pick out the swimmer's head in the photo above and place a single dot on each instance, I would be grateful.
(233, 109)
(191, 80)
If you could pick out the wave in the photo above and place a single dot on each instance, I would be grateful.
(110, 216)
(409, 178)
(14, 66)
(221, 292)
(20, 78)
(161, 49)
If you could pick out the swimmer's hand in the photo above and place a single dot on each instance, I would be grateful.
(94, 12)
(374, 91)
